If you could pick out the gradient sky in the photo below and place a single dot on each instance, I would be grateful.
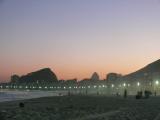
(78, 37)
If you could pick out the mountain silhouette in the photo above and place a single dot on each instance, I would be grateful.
(147, 70)
(41, 76)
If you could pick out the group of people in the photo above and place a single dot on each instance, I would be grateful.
(140, 94)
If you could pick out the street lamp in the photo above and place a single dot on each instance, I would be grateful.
(138, 84)
(157, 82)
(95, 86)
(156, 87)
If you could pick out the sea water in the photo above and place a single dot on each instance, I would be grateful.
(8, 95)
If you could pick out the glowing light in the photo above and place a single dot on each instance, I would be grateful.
(112, 85)
(95, 86)
(124, 84)
(157, 82)
(138, 84)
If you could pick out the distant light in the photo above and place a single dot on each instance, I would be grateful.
(26, 87)
(95, 86)
(138, 84)
(112, 85)
(124, 84)
(64, 87)
(70, 87)
(83, 87)
(75, 87)
(157, 82)
(40, 87)
(99, 86)
(103, 86)
(89, 86)
(45, 87)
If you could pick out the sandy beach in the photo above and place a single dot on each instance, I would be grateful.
(82, 108)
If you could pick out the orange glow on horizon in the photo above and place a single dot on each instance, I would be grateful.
(80, 71)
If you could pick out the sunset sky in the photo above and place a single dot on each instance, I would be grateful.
(78, 37)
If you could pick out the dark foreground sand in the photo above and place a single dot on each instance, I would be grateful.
(82, 108)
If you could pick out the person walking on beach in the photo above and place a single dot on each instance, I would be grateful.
(125, 93)
(155, 93)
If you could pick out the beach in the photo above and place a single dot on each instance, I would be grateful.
(80, 107)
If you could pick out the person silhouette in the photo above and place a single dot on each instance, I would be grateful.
(125, 93)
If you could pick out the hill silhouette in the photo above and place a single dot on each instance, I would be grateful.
(41, 76)
(150, 69)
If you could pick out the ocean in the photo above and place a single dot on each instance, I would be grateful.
(8, 95)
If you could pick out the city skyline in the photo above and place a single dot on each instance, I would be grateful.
(78, 38)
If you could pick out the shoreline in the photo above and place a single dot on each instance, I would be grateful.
(8, 95)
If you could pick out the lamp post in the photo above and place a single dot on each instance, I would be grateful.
(156, 90)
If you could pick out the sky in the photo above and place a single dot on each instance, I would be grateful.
(78, 37)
